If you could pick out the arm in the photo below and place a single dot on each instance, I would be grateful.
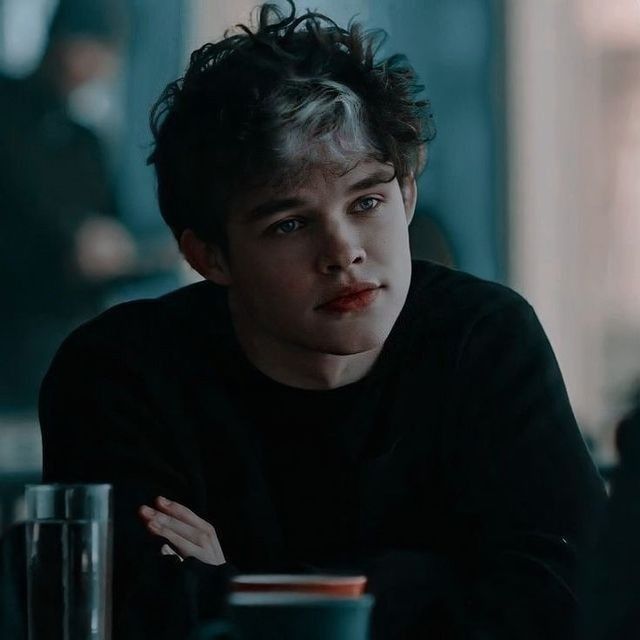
(99, 424)
(526, 495)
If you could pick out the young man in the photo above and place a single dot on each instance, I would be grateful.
(320, 402)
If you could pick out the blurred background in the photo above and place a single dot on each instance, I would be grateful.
(533, 179)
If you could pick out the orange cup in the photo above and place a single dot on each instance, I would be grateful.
(328, 585)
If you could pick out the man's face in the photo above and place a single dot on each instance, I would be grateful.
(292, 252)
(84, 59)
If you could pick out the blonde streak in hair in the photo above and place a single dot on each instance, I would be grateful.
(305, 136)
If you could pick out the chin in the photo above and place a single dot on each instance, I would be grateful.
(352, 345)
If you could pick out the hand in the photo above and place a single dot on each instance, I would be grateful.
(104, 249)
(189, 535)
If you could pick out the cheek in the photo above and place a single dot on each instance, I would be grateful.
(390, 241)
(274, 281)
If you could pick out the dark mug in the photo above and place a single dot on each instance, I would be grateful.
(292, 616)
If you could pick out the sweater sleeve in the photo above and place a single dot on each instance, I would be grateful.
(524, 490)
(99, 426)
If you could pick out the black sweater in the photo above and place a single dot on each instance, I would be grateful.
(453, 474)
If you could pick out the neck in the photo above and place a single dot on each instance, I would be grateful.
(300, 367)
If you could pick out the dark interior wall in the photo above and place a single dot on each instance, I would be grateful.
(155, 57)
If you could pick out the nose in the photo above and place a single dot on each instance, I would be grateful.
(341, 248)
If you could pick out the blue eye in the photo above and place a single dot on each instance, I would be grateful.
(287, 226)
(367, 204)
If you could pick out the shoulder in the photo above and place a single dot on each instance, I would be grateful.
(447, 310)
(10, 87)
(441, 295)
(18, 98)
(11, 100)
(152, 326)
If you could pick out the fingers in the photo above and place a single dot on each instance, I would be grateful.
(181, 512)
(184, 547)
(157, 520)
(187, 532)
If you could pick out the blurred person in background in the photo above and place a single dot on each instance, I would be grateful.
(60, 240)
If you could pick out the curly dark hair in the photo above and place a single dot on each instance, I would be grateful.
(260, 107)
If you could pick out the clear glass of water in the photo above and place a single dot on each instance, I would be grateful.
(69, 561)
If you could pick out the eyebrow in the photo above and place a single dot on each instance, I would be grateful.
(376, 178)
(278, 205)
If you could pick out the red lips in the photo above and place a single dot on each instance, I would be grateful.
(351, 298)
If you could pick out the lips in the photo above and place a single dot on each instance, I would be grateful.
(352, 298)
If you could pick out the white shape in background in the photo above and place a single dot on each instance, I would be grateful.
(23, 32)
(98, 105)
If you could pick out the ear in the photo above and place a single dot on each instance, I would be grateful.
(207, 259)
(409, 190)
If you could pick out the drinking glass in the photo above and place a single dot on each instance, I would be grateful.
(69, 561)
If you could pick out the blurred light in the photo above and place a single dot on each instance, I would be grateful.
(95, 105)
(614, 23)
(24, 26)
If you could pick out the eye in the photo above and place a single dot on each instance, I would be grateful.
(367, 204)
(286, 227)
